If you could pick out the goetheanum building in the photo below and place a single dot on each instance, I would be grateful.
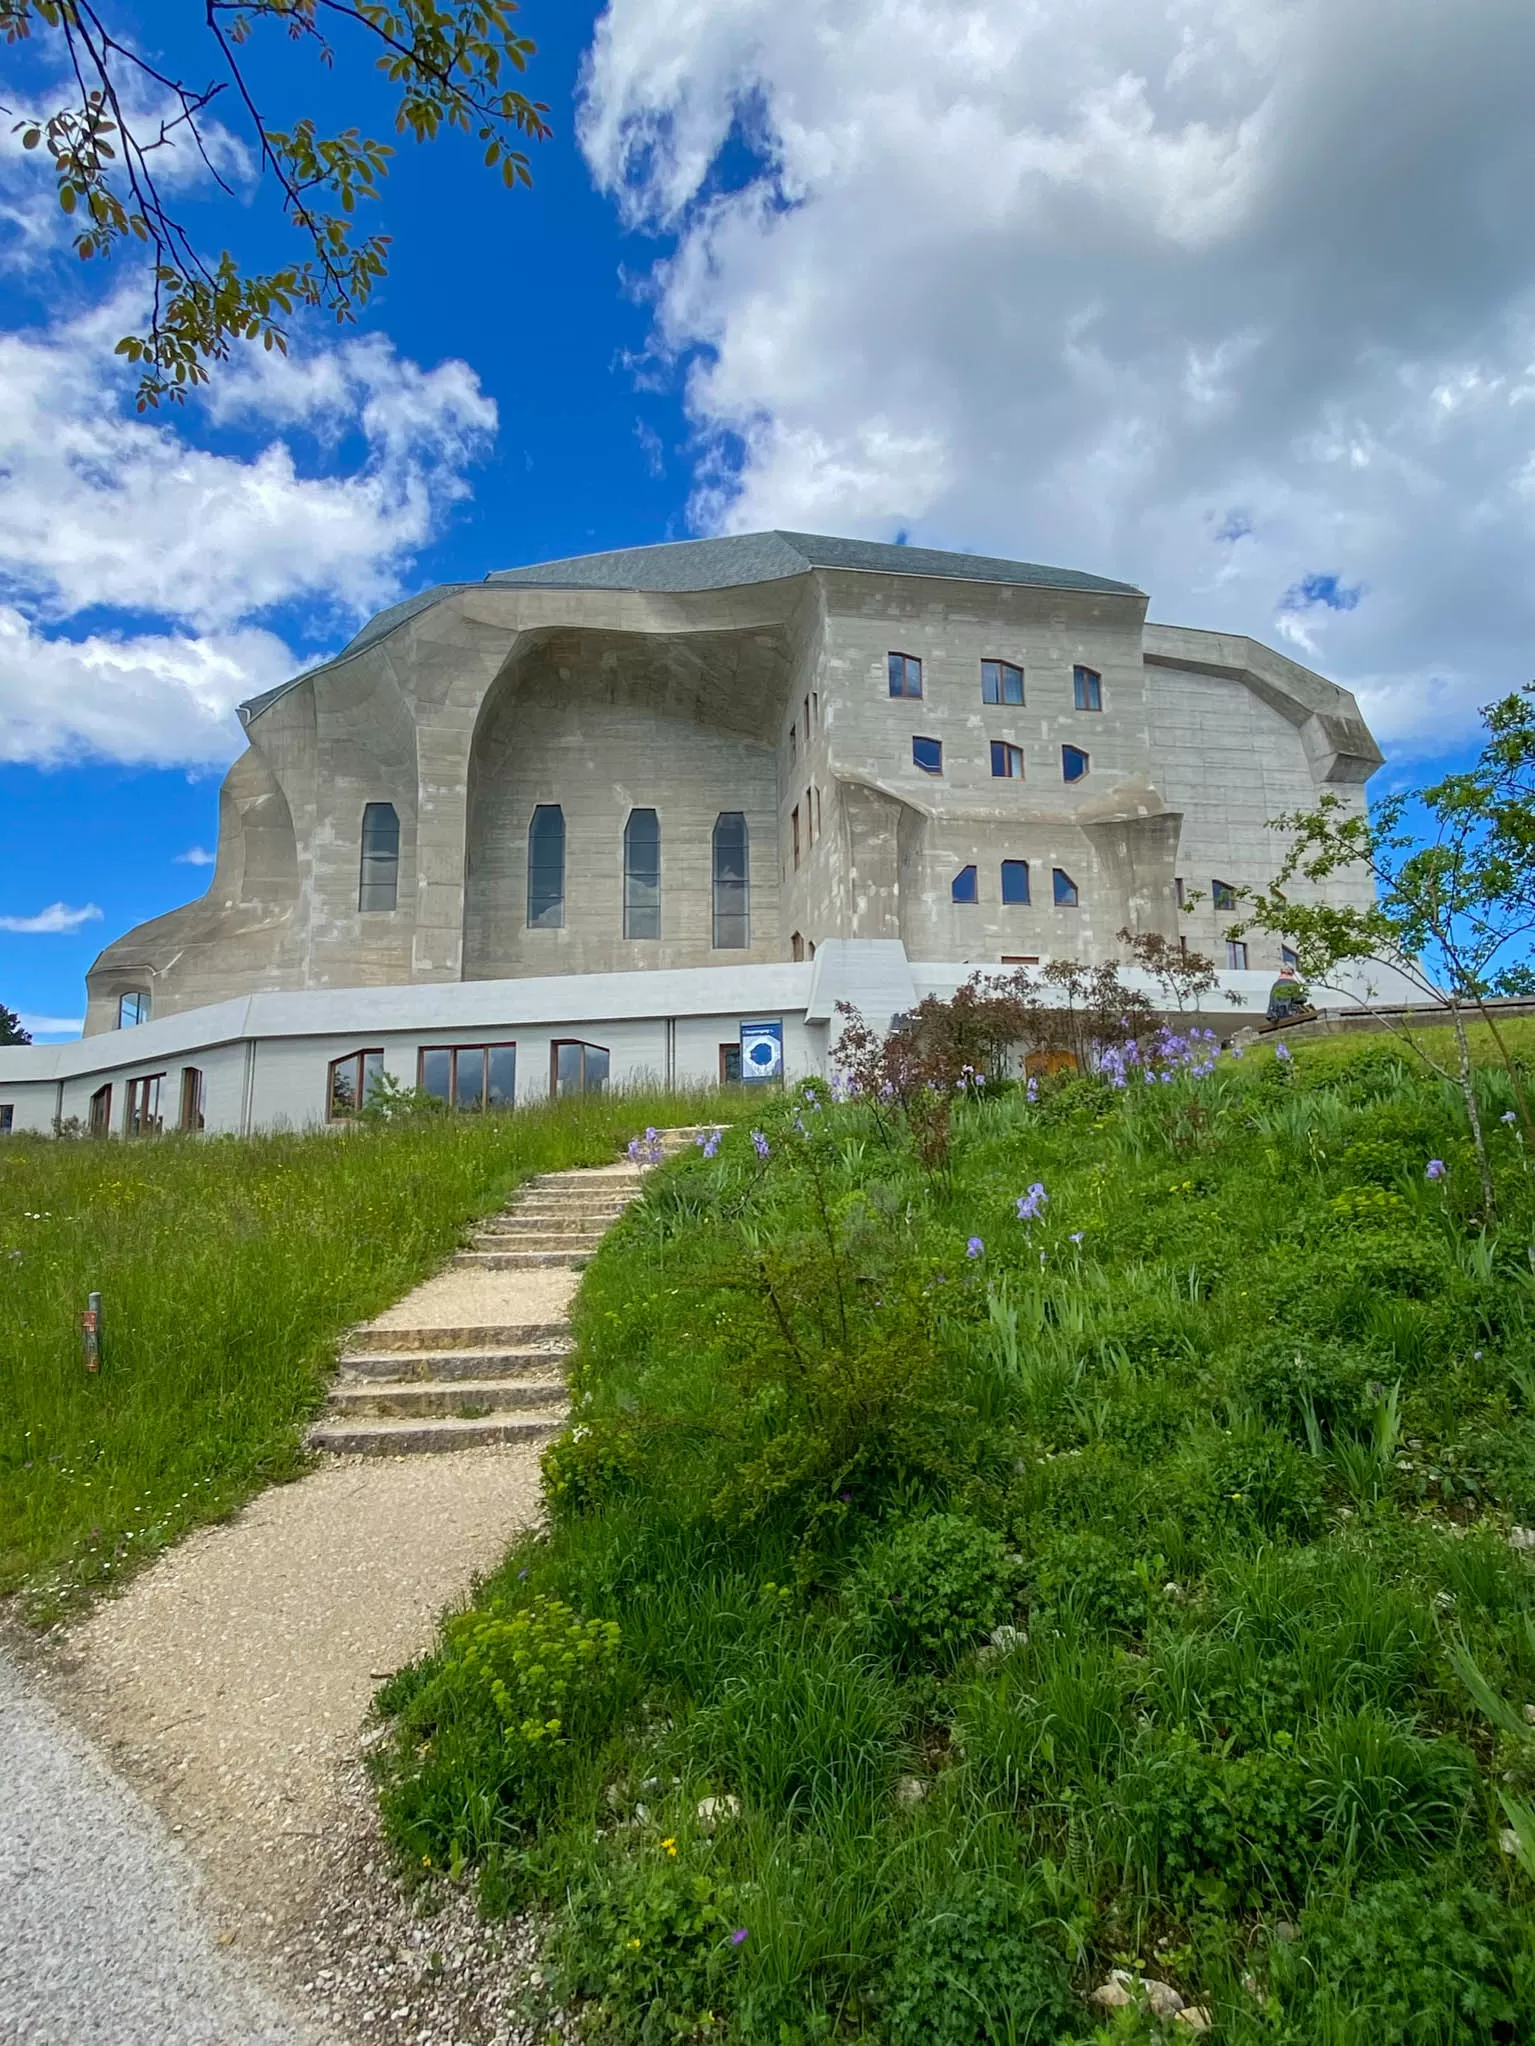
(587, 819)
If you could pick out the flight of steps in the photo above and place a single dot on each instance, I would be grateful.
(435, 1378)
(402, 1390)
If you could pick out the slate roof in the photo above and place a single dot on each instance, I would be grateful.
(679, 567)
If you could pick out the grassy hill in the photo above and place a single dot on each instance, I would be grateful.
(1103, 1547)
(228, 1269)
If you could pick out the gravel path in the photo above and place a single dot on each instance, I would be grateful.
(104, 1941)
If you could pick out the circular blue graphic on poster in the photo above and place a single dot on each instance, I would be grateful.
(763, 1054)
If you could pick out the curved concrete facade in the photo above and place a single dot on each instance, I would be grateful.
(745, 677)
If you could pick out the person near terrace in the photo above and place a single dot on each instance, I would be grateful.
(1287, 997)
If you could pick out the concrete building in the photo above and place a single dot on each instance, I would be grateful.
(635, 800)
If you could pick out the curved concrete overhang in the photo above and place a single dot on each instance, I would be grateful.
(1334, 734)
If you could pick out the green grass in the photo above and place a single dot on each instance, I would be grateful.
(1233, 1436)
(227, 1269)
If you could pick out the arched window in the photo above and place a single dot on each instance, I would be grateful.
(642, 875)
(546, 868)
(379, 881)
(732, 920)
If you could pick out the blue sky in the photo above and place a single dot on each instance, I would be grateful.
(1232, 298)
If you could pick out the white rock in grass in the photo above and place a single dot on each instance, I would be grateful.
(1111, 1995)
(1005, 1639)
(1163, 1998)
(1529, 1715)
(1195, 2016)
(909, 1791)
(1508, 1840)
(712, 1809)
(1521, 1538)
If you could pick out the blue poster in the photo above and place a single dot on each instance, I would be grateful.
(761, 1051)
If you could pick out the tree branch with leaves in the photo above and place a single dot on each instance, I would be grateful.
(451, 63)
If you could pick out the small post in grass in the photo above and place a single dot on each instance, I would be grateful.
(90, 1332)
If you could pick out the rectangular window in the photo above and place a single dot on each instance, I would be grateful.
(1289, 958)
(1001, 682)
(7, 1118)
(576, 1068)
(1020, 959)
(101, 1112)
(132, 1009)
(819, 825)
(1223, 895)
(963, 887)
(730, 1064)
(546, 868)
(1178, 890)
(1015, 881)
(1006, 761)
(141, 1118)
(928, 755)
(807, 721)
(730, 853)
(469, 1076)
(351, 1083)
(1065, 889)
(191, 1117)
(794, 831)
(815, 704)
(793, 745)
(1087, 687)
(642, 875)
(1074, 763)
(1236, 955)
(378, 879)
(905, 672)
(796, 945)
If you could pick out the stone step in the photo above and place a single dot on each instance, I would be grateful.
(506, 1335)
(362, 1366)
(519, 1260)
(385, 1437)
(541, 1213)
(545, 1225)
(537, 1239)
(462, 1399)
(589, 1181)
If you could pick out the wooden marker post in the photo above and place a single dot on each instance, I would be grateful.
(90, 1332)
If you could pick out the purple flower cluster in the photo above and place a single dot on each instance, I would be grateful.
(1435, 1169)
(1161, 1057)
(708, 1141)
(1282, 1051)
(1031, 1203)
(975, 1247)
(646, 1150)
(760, 1144)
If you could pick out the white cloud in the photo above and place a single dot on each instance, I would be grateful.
(102, 511)
(196, 856)
(57, 917)
(53, 1026)
(1223, 296)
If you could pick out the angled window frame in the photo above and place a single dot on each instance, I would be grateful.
(1006, 761)
(1064, 890)
(350, 1081)
(966, 885)
(1071, 772)
(585, 1069)
(133, 1007)
(378, 861)
(1223, 897)
(1011, 898)
(932, 765)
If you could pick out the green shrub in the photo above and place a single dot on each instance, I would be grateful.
(654, 1943)
(1248, 1480)
(975, 1972)
(931, 1588)
(1092, 1580)
(1420, 1960)
(592, 1462)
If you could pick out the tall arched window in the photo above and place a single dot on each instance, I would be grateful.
(732, 921)
(642, 875)
(546, 868)
(379, 881)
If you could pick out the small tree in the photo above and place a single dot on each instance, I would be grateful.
(11, 1031)
(1454, 910)
(1182, 976)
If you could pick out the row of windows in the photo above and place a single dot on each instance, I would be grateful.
(467, 1077)
(1001, 681)
(965, 886)
(378, 880)
(145, 1105)
(1006, 759)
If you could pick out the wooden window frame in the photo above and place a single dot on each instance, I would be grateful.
(1074, 901)
(190, 1114)
(1010, 756)
(924, 739)
(1002, 671)
(904, 692)
(1082, 754)
(1086, 688)
(583, 1045)
(99, 1113)
(1024, 901)
(142, 1112)
(454, 1053)
(358, 1059)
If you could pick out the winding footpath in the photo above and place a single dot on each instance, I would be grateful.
(230, 1685)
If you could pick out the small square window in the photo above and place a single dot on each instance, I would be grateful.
(1087, 688)
(1065, 889)
(1006, 761)
(963, 888)
(1015, 881)
(1001, 682)
(905, 672)
(1074, 763)
(928, 755)
(1236, 955)
(1223, 895)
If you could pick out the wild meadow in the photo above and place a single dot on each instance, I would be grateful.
(1094, 1535)
(228, 1269)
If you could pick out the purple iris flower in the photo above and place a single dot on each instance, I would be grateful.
(1029, 1204)
(759, 1143)
(1435, 1169)
(975, 1247)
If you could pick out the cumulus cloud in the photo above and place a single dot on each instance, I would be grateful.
(52, 1026)
(102, 511)
(1232, 298)
(56, 918)
(196, 856)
